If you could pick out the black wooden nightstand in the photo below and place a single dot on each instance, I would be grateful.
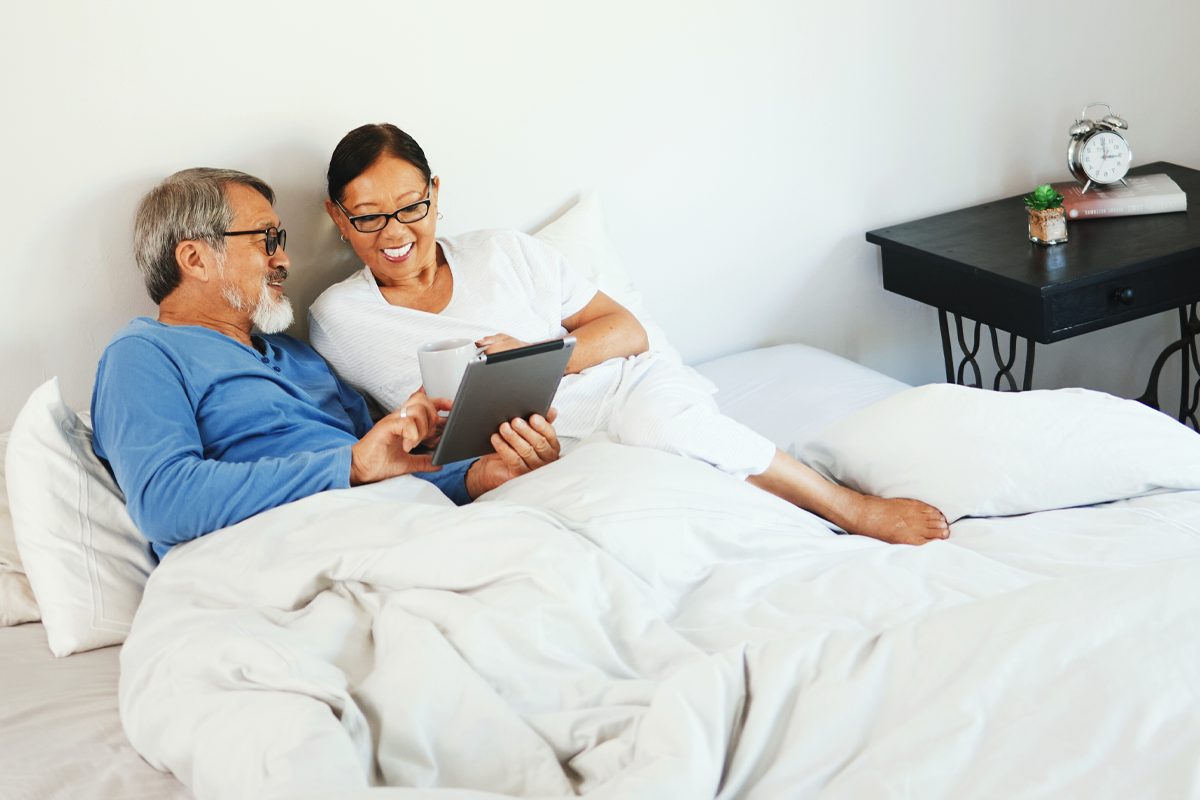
(977, 263)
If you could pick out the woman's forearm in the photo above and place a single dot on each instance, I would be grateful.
(612, 335)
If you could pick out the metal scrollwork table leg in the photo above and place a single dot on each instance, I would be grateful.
(1185, 345)
(1004, 365)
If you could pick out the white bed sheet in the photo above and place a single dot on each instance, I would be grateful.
(791, 391)
(629, 624)
(60, 735)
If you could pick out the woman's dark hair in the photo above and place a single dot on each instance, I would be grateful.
(362, 147)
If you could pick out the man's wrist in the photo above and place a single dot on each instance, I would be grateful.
(356, 476)
(473, 479)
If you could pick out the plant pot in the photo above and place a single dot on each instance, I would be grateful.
(1048, 226)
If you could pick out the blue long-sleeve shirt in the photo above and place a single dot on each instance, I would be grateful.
(202, 431)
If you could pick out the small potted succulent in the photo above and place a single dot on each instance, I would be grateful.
(1047, 218)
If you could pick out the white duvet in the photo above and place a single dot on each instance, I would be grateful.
(629, 624)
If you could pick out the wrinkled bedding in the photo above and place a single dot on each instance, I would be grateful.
(629, 624)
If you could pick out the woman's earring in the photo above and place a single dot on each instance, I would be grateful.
(342, 236)
(439, 215)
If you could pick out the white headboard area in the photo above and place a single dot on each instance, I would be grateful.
(741, 151)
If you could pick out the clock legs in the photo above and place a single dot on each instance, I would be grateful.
(1004, 365)
(1189, 357)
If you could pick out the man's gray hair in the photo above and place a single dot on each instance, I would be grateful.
(191, 204)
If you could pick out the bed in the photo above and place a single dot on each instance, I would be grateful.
(626, 623)
(809, 665)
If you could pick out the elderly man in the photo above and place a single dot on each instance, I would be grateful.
(205, 422)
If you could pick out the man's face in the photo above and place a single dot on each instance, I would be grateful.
(251, 281)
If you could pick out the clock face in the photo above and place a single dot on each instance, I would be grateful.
(1105, 157)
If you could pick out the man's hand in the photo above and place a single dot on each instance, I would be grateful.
(384, 452)
(498, 343)
(521, 447)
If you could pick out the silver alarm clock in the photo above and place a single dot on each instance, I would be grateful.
(1098, 154)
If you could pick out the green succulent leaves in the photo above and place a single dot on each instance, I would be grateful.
(1043, 197)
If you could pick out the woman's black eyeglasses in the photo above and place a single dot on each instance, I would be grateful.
(276, 237)
(370, 223)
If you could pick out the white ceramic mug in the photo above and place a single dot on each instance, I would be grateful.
(443, 364)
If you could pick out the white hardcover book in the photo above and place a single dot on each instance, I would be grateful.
(1145, 194)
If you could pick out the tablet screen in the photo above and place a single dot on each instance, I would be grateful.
(497, 388)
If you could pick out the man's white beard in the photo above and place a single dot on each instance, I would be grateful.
(268, 315)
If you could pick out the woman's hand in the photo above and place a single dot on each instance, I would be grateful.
(385, 450)
(521, 447)
(498, 343)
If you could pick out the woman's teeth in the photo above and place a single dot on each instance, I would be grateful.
(397, 252)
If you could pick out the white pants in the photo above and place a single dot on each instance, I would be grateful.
(652, 401)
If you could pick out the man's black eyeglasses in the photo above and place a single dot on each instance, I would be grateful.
(276, 237)
(371, 223)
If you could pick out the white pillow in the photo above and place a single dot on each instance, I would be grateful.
(86, 560)
(17, 604)
(580, 235)
(979, 453)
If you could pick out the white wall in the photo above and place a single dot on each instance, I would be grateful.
(742, 149)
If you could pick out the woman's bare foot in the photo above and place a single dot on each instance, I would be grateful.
(899, 521)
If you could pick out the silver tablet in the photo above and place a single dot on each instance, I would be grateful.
(497, 388)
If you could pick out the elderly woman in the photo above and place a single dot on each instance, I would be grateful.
(504, 289)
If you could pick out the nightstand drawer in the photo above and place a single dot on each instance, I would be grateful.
(1121, 298)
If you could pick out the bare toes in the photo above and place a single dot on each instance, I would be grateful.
(899, 521)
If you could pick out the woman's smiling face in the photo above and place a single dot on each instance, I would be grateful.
(390, 186)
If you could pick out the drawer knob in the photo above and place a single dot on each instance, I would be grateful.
(1123, 296)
